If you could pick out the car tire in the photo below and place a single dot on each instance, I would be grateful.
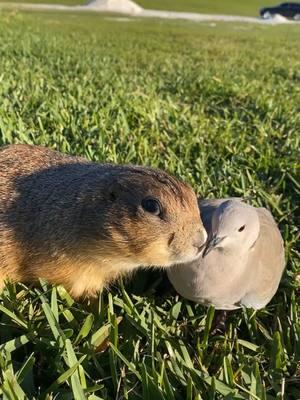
(297, 17)
(267, 15)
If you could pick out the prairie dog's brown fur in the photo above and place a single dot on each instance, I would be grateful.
(82, 224)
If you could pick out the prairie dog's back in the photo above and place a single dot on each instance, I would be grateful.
(21, 167)
(17, 161)
(23, 158)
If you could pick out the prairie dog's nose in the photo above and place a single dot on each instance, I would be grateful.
(200, 241)
(204, 234)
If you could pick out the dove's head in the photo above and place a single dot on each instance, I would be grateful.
(234, 225)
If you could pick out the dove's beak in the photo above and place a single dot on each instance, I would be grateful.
(211, 243)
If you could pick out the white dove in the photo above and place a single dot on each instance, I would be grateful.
(242, 262)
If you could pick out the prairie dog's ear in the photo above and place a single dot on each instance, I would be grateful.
(114, 190)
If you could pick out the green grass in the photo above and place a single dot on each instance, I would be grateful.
(65, 2)
(216, 105)
(235, 7)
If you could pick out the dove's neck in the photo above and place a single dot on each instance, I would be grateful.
(236, 253)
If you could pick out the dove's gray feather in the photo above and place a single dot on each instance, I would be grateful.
(267, 260)
(207, 208)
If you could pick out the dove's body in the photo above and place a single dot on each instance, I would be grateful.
(244, 268)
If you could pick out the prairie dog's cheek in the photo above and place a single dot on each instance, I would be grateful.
(155, 254)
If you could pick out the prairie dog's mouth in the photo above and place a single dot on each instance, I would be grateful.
(187, 258)
(199, 249)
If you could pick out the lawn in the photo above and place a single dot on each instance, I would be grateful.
(65, 2)
(235, 7)
(215, 104)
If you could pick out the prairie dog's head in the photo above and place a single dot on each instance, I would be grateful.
(150, 218)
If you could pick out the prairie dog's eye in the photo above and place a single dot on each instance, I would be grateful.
(241, 228)
(152, 206)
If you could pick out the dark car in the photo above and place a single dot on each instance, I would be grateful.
(288, 10)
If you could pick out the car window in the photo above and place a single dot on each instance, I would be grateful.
(287, 5)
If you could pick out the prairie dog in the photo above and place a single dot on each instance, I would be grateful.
(83, 224)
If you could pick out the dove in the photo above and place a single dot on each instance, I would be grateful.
(242, 262)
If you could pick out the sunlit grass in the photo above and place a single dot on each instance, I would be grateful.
(235, 7)
(217, 105)
(66, 2)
